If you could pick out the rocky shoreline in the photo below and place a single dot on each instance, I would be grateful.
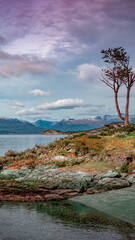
(47, 183)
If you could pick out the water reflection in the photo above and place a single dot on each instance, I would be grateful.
(59, 220)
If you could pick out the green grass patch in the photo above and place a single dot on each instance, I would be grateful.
(94, 137)
(125, 168)
(79, 135)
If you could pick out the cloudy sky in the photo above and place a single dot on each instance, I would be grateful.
(50, 60)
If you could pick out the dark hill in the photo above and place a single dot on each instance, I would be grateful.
(15, 126)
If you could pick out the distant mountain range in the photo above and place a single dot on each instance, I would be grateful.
(79, 125)
(15, 126)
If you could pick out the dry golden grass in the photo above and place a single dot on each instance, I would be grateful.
(100, 155)
(92, 167)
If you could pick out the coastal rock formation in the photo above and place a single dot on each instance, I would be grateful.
(44, 180)
(110, 174)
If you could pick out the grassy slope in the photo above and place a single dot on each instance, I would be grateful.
(91, 153)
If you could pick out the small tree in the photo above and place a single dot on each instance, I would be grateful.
(116, 74)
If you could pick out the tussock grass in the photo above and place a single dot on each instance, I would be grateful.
(88, 152)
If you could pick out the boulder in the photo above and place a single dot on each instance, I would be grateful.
(9, 174)
(125, 134)
(124, 175)
(111, 174)
(81, 185)
(131, 178)
(113, 183)
(14, 173)
(106, 184)
(59, 158)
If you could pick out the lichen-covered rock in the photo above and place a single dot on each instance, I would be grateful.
(106, 184)
(59, 158)
(52, 177)
(113, 183)
(131, 178)
(9, 174)
(96, 177)
(15, 173)
(45, 167)
(80, 185)
(124, 175)
(124, 134)
(111, 174)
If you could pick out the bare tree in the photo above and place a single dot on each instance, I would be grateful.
(116, 74)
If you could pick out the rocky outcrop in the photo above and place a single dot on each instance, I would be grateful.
(50, 176)
(131, 178)
(110, 174)
(107, 184)
(51, 183)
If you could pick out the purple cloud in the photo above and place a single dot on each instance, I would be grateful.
(66, 27)
(15, 65)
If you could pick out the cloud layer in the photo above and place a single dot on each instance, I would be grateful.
(16, 65)
(67, 27)
(38, 92)
(47, 44)
(57, 105)
(17, 105)
(88, 72)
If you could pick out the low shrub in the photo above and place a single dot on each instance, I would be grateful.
(93, 154)
(128, 128)
(30, 155)
(108, 132)
(103, 133)
(79, 135)
(94, 137)
(11, 153)
(60, 163)
(76, 161)
(125, 168)
(121, 136)
(109, 126)
(81, 147)
(51, 146)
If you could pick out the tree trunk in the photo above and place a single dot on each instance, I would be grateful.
(126, 121)
(117, 106)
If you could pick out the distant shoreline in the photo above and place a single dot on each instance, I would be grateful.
(55, 132)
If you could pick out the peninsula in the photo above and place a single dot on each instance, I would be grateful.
(92, 162)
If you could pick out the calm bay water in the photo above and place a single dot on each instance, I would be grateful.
(59, 221)
(22, 142)
(54, 220)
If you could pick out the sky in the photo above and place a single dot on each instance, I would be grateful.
(50, 57)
